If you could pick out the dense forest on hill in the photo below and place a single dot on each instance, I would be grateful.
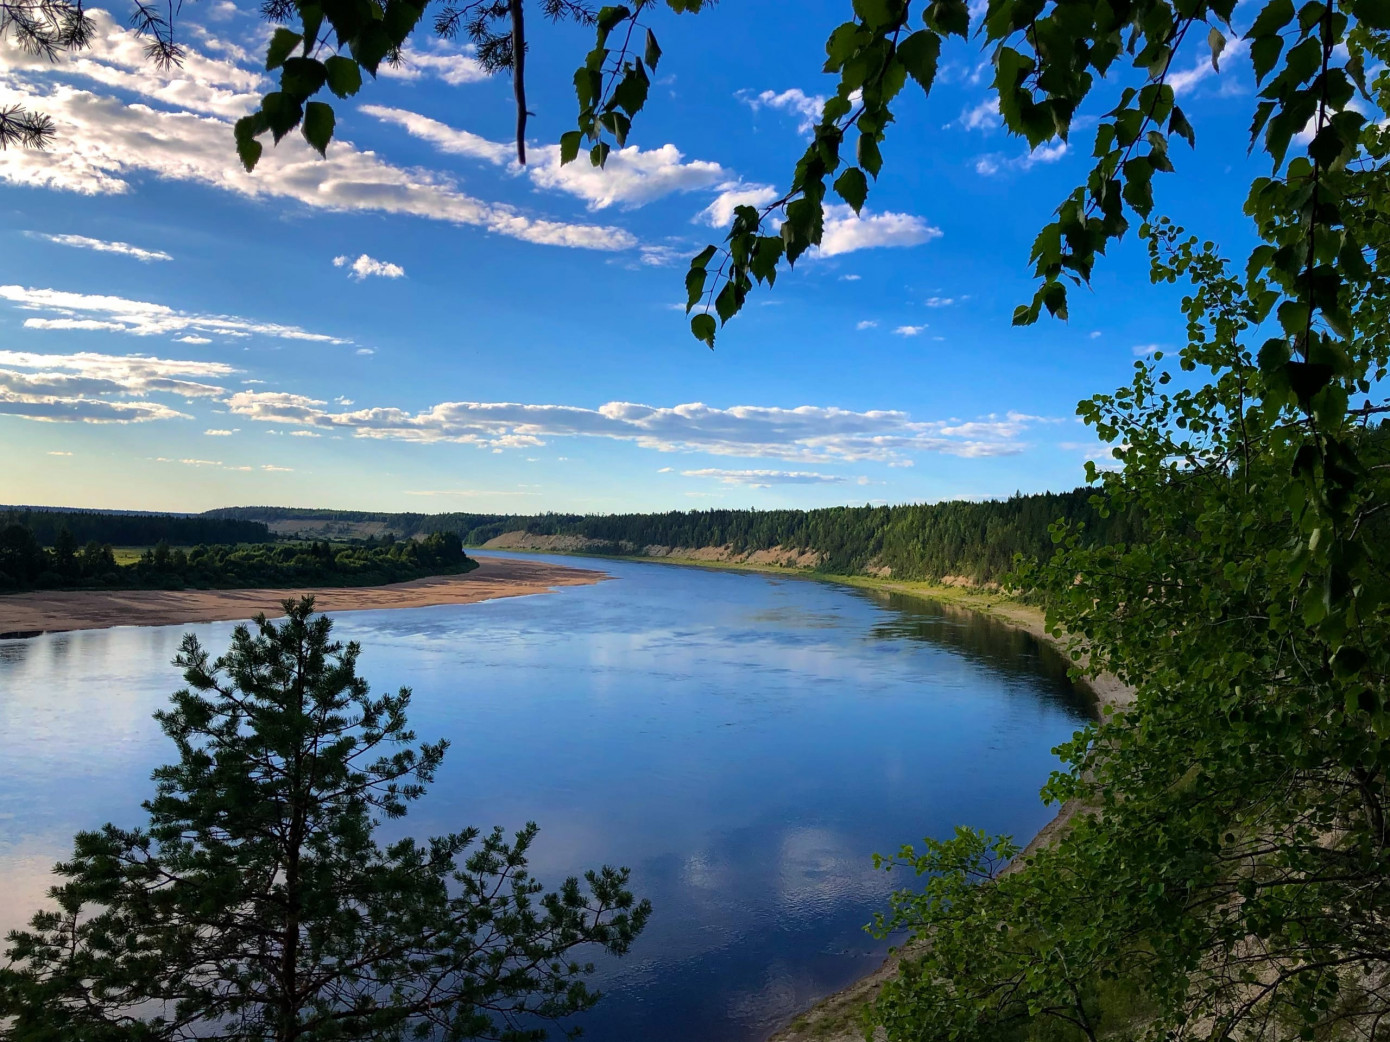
(86, 526)
(977, 540)
(26, 564)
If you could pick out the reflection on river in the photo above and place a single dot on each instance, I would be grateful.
(743, 743)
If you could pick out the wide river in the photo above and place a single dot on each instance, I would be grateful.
(743, 743)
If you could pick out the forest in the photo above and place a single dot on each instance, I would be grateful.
(977, 540)
(26, 564)
(122, 529)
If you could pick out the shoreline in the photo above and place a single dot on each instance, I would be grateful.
(835, 1018)
(60, 611)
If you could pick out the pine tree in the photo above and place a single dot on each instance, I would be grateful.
(258, 905)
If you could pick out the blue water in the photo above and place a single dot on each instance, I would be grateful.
(742, 743)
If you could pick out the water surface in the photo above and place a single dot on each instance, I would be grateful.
(744, 743)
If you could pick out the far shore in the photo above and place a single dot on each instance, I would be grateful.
(29, 614)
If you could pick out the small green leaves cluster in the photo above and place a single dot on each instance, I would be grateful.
(332, 44)
(874, 55)
(613, 83)
(1227, 871)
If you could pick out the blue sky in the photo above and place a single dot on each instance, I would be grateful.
(415, 323)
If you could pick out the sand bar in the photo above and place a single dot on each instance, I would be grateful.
(55, 611)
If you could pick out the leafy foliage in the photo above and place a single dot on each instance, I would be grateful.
(258, 904)
(26, 564)
(122, 529)
(1231, 861)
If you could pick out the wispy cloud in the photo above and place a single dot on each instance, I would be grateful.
(864, 324)
(630, 177)
(98, 388)
(441, 60)
(807, 433)
(997, 163)
(187, 140)
(984, 116)
(60, 309)
(766, 478)
(910, 330)
(125, 249)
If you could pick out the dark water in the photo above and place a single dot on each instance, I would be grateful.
(743, 743)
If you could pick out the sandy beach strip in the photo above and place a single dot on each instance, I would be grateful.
(28, 614)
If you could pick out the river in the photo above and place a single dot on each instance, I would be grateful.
(743, 743)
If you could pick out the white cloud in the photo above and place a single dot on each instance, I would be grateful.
(845, 231)
(456, 66)
(996, 162)
(984, 116)
(305, 434)
(806, 108)
(629, 178)
(97, 388)
(82, 242)
(179, 129)
(59, 309)
(365, 266)
(1184, 80)
(214, 432)
(864, 324)
(766, 478)
(58, 452)
(910, 330)
(849, 278)
(365, 351)
(808, 433)
(942, 302)
(720, 213)
(1144, 350)
(340, 400)
(191, 339)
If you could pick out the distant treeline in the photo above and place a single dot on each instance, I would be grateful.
(88, 526)
(976, 540)
(26, 564)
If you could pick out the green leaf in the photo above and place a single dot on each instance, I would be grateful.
(248, 149)
(703, 326)
(652, 52)
(282, 42)
(1272, 17)
(879, 14)
(318, 125)
(1264, 54)
(569, 146)
(598, 155)
(694, 286)
(1178, 124)
(1217, 41)
(1374, 14)
(702, 259)
(919, 53)
(853, 187)
(868, 155)
(344, 75)
(282, 113)
(948, 17)
(302, 77)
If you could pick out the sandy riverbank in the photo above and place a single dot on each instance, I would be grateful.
(56, 611)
